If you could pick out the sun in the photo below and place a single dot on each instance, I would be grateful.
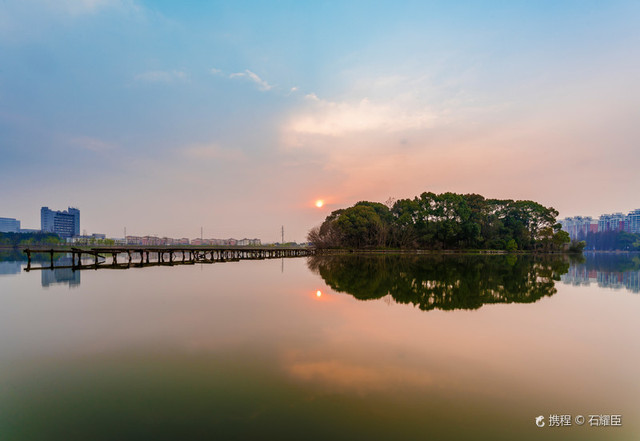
(319, 203)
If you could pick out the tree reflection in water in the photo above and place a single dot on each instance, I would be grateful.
(443, 281)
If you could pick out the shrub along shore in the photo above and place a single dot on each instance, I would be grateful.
(15, 240)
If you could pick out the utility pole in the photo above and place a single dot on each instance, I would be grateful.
(282, 235)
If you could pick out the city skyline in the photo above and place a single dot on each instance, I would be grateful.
(579, 227)
(164, 118)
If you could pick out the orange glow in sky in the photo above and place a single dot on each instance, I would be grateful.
(319, 293)
(319, 203)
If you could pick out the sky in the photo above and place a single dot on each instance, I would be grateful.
(235, 117)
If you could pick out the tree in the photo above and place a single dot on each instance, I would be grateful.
(577, 246)
(443, 221)
(403, 224)
(560, 238)
(361, 227)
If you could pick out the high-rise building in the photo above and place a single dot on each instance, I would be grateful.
(578, 227)
(9, 225)
(611, 222)
(64, 223)
(633, 220)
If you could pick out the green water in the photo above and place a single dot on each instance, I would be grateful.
(348, 347)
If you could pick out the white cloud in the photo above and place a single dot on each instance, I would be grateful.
(161, 76)
(262, 84)
(393, 133)
(215, 71)
(340, 118)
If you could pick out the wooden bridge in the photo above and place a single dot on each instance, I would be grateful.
(139, 256)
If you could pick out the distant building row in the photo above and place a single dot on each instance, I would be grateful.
(66, 224)
(153, 240)
(578, 227)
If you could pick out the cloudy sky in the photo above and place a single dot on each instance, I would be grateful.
(166, 116)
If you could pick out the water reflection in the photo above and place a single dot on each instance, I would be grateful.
(11, 262)
(8, 268)
(443, 281)
(14, 261)
(241, 351)
(60, 276)
(616, 271)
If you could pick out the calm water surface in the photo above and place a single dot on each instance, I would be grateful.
(349, 347)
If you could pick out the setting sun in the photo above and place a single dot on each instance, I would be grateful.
(319, 203)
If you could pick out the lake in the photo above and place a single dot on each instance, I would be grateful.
(393, 347)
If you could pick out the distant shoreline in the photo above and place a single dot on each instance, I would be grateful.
(463, 251)
(411, 251)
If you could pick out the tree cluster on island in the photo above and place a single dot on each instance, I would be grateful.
(446, 221)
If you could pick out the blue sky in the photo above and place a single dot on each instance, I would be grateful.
(236, 116)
